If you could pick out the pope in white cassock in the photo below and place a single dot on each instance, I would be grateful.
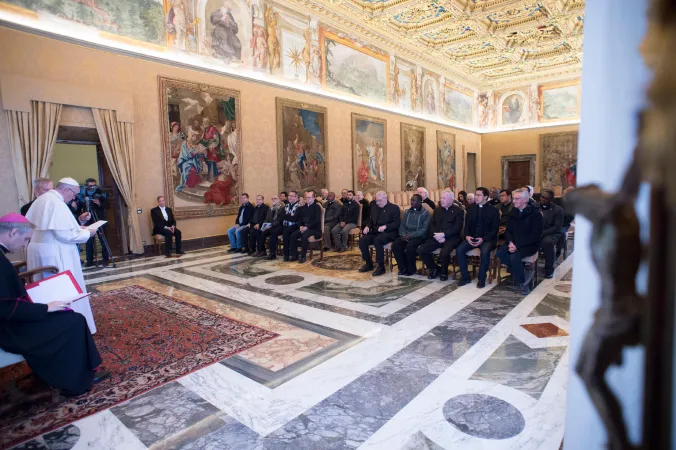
(55, 237)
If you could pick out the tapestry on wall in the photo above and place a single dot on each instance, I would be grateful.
(202, 147)
(412, 156)
(559, 160)
(302, 151)
(446, 160)
(369, 147)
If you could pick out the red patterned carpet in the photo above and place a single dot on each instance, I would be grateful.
(145, 339)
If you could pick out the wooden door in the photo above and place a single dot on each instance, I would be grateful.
(518, 174)
(113, 216)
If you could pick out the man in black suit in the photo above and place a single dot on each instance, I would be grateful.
(481, 231)
(445, 228)
(552, 221)
(522, 237)
(310, 224)
(164, 223)
(257, 221)
(381, 229)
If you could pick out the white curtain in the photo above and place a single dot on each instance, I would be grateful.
(117, 140)
(31, 137)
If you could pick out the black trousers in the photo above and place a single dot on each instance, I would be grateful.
(167, 240)
(485, 248)
(89, 246)
(274, 233)
(548, 244)
(303, 236)
(405, 252)
(378, 240)
(286, 239)
(246, 232)
(426, 249)
(253, 239)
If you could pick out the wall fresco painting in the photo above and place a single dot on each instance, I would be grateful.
(458, 106)
(369, 147)
(559, 102)
(512, 110)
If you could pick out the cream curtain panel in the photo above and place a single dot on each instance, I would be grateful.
(31, 137)
(117, 140)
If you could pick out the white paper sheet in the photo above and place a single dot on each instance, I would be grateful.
(97, 225)
(59, 288)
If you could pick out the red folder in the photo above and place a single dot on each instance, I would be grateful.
(59, 287)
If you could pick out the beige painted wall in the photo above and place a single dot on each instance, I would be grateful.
(83, 68)
(496, 145)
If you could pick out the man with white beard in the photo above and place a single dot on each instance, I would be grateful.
(56, 236)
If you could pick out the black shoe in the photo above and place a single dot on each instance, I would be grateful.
(549, 276)
(379, 271)
(232, 250)
(180, 252)
(301, 260)
(558, 254)
(89, 264)
(271, 257)
(293, 259)
(481, 284)
(366, 268)
(443, 277)
(434, 272)
(463, 282)
(260, 254)
(326, 249)
(106, 263)
(403, 273)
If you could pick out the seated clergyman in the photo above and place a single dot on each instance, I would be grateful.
(55, 342)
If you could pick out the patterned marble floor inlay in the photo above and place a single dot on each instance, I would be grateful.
(484, 416)
(375, 363)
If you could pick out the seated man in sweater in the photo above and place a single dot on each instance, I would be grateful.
(381, 229)
(310, 224)
(552, 221)
(348, 218)
(257, 221)
(412, 233)
(481, 231)
(522, 237)
(445, 228)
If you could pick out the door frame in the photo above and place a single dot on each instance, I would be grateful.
(531, 158)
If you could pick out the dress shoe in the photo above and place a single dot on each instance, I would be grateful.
(286, 259)
(301, 260)
(106, 263)
(293, 259)
(464, 282)
(443, 277)
(260, 254)
(379, 271)
(89, 264)
(232, 250)
(180, 252)
(481, 284)
(271, 257)
(403, 273)
(366, 268)
(434, 272)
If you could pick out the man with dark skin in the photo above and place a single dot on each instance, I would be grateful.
(412, 233)
(552, 221)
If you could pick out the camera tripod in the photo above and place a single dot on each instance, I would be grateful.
(102, 237)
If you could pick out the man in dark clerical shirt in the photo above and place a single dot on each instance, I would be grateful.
(331, 217)
(568, 218)
(445, 228)
(422, 192)
(552, 221)
(343, 196)
(272, 224)
(365, 208)
(381, 229)
(522, 237)
(505, 206)
(494, 197)
(348, 219)
(310, 224)
(481, 231)
(257, 221)
(56, 343)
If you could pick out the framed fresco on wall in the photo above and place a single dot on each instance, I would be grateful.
(446, 168)
(302, 147)
(202, 148)
(559, 160)
(458, 106)
(412, 157)
(353, 69)
(369, 153)
(559, 101)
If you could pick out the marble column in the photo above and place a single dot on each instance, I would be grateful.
(613, 90)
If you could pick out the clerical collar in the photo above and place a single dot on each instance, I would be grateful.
(4, 249)
(416, 209)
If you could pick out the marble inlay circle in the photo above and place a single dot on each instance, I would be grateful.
(484, 416)
(284, 279)
(339, 262)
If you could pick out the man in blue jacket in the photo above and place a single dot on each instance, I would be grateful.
(235, 233)
(412, 233)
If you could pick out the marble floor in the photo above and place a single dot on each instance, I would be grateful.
(360, 362)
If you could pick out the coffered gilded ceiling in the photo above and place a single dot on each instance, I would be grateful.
(485, 43)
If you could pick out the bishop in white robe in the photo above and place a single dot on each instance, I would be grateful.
(55, 239)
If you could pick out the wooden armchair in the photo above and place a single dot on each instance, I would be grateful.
(28, 275)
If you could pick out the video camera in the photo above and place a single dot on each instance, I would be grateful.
(85, 196)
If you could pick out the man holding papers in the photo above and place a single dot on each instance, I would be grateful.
(56, 344)
(56, 234)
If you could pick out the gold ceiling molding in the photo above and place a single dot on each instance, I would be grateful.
(485, 44)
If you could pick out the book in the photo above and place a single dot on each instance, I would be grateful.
(61, 287)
